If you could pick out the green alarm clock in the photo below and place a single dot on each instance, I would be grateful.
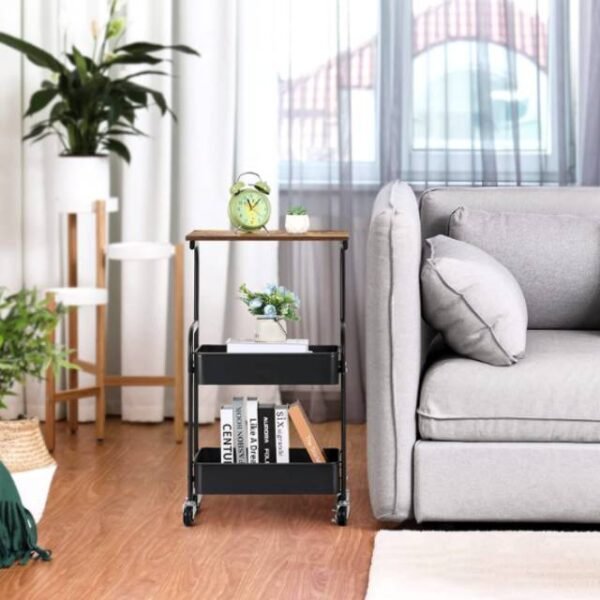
(249, 206)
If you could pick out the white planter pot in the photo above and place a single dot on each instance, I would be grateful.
(79, 181)
(24, 453)
(33, 487)
(297, 223)
(269, 329)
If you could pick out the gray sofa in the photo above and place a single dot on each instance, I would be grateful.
(454, 439)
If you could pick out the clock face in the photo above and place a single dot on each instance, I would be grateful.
(249, 209)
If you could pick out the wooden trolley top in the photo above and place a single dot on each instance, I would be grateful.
(227, 235)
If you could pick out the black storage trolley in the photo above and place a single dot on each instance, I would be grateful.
(212, 364)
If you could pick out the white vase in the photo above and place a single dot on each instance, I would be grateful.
(270, 329)
(79, 181)
(297, 223)
(24, 453)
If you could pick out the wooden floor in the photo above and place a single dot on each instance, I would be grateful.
(113, 522)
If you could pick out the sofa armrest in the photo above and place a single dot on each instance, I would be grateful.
(393, 349)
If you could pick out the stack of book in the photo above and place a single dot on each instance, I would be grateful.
(259, 433)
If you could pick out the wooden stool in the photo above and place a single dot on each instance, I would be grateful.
(74, 297)
(137, 251)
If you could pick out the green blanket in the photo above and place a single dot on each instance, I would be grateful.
(18, 533)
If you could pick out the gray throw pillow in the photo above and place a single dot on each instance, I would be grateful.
(473, 301)
(555, 259)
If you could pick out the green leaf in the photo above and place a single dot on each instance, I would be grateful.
(41, 137)
(36, 55)
(145, 47)
(80, 63)
(35, 131)
(131, 59)
(133, 131)
(160, 101)
(158, 97)
(140, 73)
(138, 96)
(118, 148)
(40, 100)
(57, 110)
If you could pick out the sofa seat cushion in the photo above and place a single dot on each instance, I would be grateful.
(552, 395)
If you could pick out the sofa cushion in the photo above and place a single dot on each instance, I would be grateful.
(550, 396)
(555, 259)
(474, 301)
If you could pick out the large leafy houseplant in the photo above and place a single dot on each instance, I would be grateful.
(91, 105)
(26, 322)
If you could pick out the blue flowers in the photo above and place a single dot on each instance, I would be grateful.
(270, 311)
(255, 303)
(274, 301)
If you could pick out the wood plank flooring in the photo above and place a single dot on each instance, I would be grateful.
(113, 521)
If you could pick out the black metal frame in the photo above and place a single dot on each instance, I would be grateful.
(204, 471)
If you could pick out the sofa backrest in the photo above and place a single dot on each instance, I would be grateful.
(567, 298)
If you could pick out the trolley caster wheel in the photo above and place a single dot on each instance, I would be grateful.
(342, 510)
(189, 513)
(341, 515)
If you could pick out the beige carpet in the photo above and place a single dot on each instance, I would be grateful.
(520, 565)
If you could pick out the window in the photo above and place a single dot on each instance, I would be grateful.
(485, 78)
(327, 79)
(446, 108)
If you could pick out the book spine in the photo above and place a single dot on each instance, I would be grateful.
(266, 433)
(226, 434)
(239, 430)
(252, 425)
(302, 425)
(282, 434)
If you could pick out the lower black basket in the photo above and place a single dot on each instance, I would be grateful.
(299, 476)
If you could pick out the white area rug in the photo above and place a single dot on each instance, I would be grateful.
(520, 565)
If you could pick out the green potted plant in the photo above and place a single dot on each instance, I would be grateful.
(26, 322)
(90, 105)
(297, 220)
(272, 307)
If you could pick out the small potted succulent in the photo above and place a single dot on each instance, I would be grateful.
(272, 307)
(26, 322)
(296, 220)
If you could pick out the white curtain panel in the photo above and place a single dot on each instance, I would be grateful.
(11, 251)
(178, 180)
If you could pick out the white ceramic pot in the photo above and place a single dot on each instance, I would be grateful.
(24, 453)
(297, 223)
(270, 329)
(33, 487)
(79, 181)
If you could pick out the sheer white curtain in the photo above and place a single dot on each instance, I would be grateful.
(178, 179)
(434, 92)
(589, 88)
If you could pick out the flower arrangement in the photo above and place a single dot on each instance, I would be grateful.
(273, 301)
(297, 210)
(92, 107)
(25, 348)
